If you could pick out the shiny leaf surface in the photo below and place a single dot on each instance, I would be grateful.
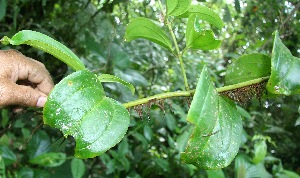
(217, 134)
(144, 28)
(78, 107)
(285, 69)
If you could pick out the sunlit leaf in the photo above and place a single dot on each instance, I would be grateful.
(248, 67)
(49, 159)
(217, 131)
(47, 44)
(197, 38)
(78, 107)
(285, 69)
(177, 7)
(144, 28)
(112, 78)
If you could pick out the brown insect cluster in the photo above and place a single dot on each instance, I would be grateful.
(244, 94)
(140, 108)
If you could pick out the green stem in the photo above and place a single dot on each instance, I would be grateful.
(177, 54)
(191, 92)
(242, 84)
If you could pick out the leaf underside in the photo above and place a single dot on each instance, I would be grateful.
(78, 107)
(217, 134)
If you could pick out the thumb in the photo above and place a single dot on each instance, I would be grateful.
(14, 94)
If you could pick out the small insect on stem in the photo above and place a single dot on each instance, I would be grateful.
(210, 134)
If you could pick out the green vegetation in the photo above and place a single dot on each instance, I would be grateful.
(180, 125)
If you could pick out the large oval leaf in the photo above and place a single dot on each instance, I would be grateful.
(47, 44)
(144, 28)
(78, 107)
(197, 38)
(217, 134)
(285, 75)
(248, 67)
(177, 7)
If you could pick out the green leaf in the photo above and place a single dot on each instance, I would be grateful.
(7, 155)
(3, 6)
(227, 16)
(285, 69)
(177, 7)
(49, 159)
(217, 135)
(26, 172)
(290, 174)
(38, 144)
(215, 173)
(144, 28)
(243, 168)
(248, 67)
(77, 167)
(237, 6)
(112, 78)
(199, 39)
(260, 151)
(206, 14)
(148, 132)
(78, 107)
(2, 167)
(47, 44)
(297, 123)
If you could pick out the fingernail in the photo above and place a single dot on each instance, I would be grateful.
(41, 101)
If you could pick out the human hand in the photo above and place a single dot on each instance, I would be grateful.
(17, 69)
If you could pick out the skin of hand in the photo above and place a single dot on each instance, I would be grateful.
(23, 81)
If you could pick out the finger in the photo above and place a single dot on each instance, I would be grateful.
(13, 94)
(35, 72)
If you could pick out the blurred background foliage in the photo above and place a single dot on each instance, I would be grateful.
(94, 30)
